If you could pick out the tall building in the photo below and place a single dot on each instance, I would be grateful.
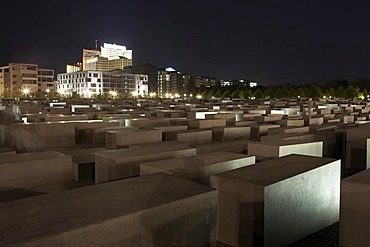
(110, 57)
(146, 69)
(15, 77)
(92, 83)
(169, 81)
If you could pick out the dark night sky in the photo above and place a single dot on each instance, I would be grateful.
(272, 42)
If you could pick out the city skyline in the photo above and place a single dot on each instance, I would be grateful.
(271, 43)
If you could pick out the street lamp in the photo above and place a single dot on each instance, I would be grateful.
(47, 92)
(113, 93)
(26, 91)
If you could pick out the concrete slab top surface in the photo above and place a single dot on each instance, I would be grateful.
(26, 157)
(46, 215)
(272, 171)
(195, 161)
(140, 151)
(285, 142)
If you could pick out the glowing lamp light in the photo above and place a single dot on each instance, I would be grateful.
(26, 91)
(113, 93)
(167, 95)
(199, 96)
(135, 94)
(177, 95)
(184, 94)
(48, 90)
(152, 95)
(191, 95)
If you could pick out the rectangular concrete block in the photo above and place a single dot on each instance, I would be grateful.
(356, 146)
(259, 130)
(154, 210)
(206, 123)
(38, 136)
(290, 122)
(27, 173)
(280, 148)
(83, 161)
(232, 147)
(194, 136)
(198, 168)
(97, 135)
(355, 210)
(124, 163)
(230, 133)
(277, 202)
(124, 138)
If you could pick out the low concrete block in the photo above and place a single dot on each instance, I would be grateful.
(276, 149)
(194, 137)
(200, 167)
(42, 172)
(124, 163)
(124, 138)
(230, 133)
(154, 210)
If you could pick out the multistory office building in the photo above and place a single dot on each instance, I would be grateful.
(170, 81)
(16, 77)
(89, 83)
(110, 57)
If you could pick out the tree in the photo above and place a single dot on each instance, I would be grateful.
(258, 94)
(365, 93)
(75, 95)
(218, 94)
(340, 93)
(226, 94)
(235, 94)
(210, 94)
(315, 92)
(352, 92)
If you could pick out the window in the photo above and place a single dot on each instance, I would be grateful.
(93, 84)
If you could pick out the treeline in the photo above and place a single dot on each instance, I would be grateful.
(358, 88)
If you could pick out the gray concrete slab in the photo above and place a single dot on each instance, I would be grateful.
(355, 210)
(277, 202)
(124, 163)
(198, 168)
(38, 136)
(230, 133)
(154, 210)
(43, 172)
(194, 136)
(280, 148)
(124, 138)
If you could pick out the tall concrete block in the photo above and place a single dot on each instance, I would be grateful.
(277, 202)
(154, 210)
(124, 163)
(356, 147)
(354, 221)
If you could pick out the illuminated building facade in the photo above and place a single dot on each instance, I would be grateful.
(90, 83)
(110, 57)
(17, 76)
(170, 81)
